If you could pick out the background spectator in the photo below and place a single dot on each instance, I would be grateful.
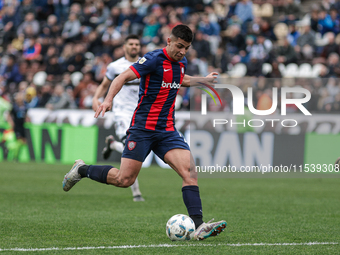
(71, 29)
(10, 72)
(244, 13)
(31, 49)
(30, 26)
(285, 53)
(10, 23)
(60, 99)
(305, 43)
(201, 46)
(291, 11)
(61, 9)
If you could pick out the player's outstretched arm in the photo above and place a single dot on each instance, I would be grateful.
(115, 87)
(190, 81)
(100, 92)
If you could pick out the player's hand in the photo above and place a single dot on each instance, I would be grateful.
(212, 78)
(95, 103)
(104, 107)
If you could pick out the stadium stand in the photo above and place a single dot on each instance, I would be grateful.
(292, 70)
(266, 68)
(305, 70)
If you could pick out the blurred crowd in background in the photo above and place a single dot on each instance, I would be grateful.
(55, 52)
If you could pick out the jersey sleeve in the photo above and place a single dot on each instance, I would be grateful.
(110, 72)
(145, 65)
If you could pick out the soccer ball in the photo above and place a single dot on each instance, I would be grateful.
(180, 227)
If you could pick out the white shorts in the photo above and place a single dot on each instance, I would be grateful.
(121, 124)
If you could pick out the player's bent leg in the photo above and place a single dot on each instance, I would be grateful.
(106, 152)
(179, 160)
(72, 177)
(209, 229)
(123, 177)
(80, 170)
(110, 145)
(117, 146)
(137, 195)
(126, 175)
(183, 163)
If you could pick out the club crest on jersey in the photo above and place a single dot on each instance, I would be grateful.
(131, 145)
(142, 60)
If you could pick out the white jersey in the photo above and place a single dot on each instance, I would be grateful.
(125, 102)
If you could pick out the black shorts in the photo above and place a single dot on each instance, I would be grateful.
(19, 132)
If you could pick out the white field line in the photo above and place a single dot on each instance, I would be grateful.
(164, 245)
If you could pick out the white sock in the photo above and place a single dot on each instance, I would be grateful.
(135, 189)
(117, 146)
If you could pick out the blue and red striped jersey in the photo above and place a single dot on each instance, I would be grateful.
(161, 77)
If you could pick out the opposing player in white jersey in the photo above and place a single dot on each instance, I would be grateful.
(124, 103)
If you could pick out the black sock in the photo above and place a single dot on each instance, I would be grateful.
(192, 200)
(83, 170)
(198, 220)
(98, 173)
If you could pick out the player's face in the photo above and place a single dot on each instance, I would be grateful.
(132, 47)
(177, 48)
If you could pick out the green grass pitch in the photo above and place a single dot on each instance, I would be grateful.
(36, 213)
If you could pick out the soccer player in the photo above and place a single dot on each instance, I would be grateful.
(5, 107)
(19, 116)
(124, 104)
(7, 136)
(162, 72)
